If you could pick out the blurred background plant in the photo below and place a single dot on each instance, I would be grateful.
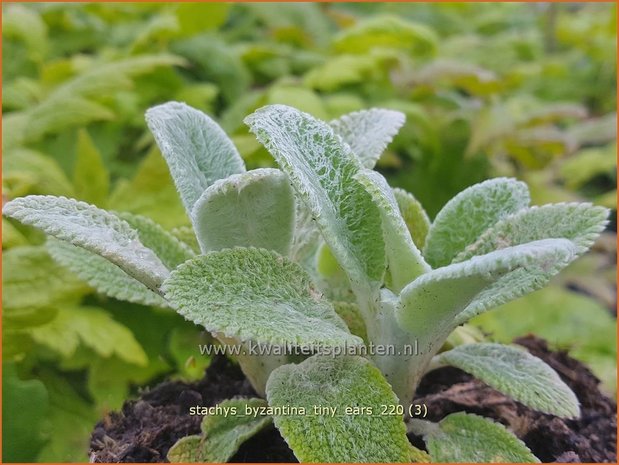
(501, 89)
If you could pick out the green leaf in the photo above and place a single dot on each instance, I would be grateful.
(71, 419)
(415, 217)
(33, 280)
(350, 313)
(24, 407)
(72, 103)
(195, 18)
(368, 132)
(329, 275)
(581, 223)
(468, 438)
(403, 257)
(469, 214)
(222, 435)
(346, 70)
(386, 32)
(255, 294)
(92, 327)
(569, 321)
(183, 342)
(438, 301)
(516, 373)
(253, 209)
(93, 229)
(321, 169)
(151, 193)
(186, 235)
(26, 24)
(197, 150)
(27, 171)
(17, 319)
(170, 250)
(101, 274)
(90, 177)
(53, 116)
(344, 436)
(11, 236)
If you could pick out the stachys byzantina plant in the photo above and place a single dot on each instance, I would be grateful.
(324, 256)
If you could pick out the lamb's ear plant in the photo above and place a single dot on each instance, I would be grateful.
(325, 256)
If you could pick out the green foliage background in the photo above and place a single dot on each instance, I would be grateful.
(488, 90)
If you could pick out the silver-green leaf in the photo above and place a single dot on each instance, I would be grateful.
(255, 294)
(440, 300)
(252, 209)
(93, 229)
(468, 438)
(321, 169)
(101, 274)
(170, 250)
(368, 132)
(414, 215)
(403, 257)
(581, 223)
(518, 374)
(465, 217)
(197, 150)
(340, 436)
(223, 434)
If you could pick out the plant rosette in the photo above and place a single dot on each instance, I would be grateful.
(343, 283)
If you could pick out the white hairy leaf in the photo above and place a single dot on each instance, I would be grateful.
(170, 250)
(93, 229)
(197, 150)
(581, 223)
(321, 169)
(403, 257)
(414, 215)
(467, 438)
(255, 294)
(438, 301)
(252, 209)
(337, 436)
(101, 274)
(518, 374)
(222, 434)
(368, 132)
(465, 217)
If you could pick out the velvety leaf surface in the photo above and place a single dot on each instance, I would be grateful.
(404, 259)
(101, 274)
(581, 223)
(221, 435)
(516, 373)
(414, 215)
(448, 296)
(339, 383)
(170, 250)
(252, 209)
(256, 294)
(321, 169)
(93, 229)
(368, 132)
(197, 150)
(468, 438)
(465, 217)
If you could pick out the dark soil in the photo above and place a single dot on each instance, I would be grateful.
(591, 438)
(146, 428)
